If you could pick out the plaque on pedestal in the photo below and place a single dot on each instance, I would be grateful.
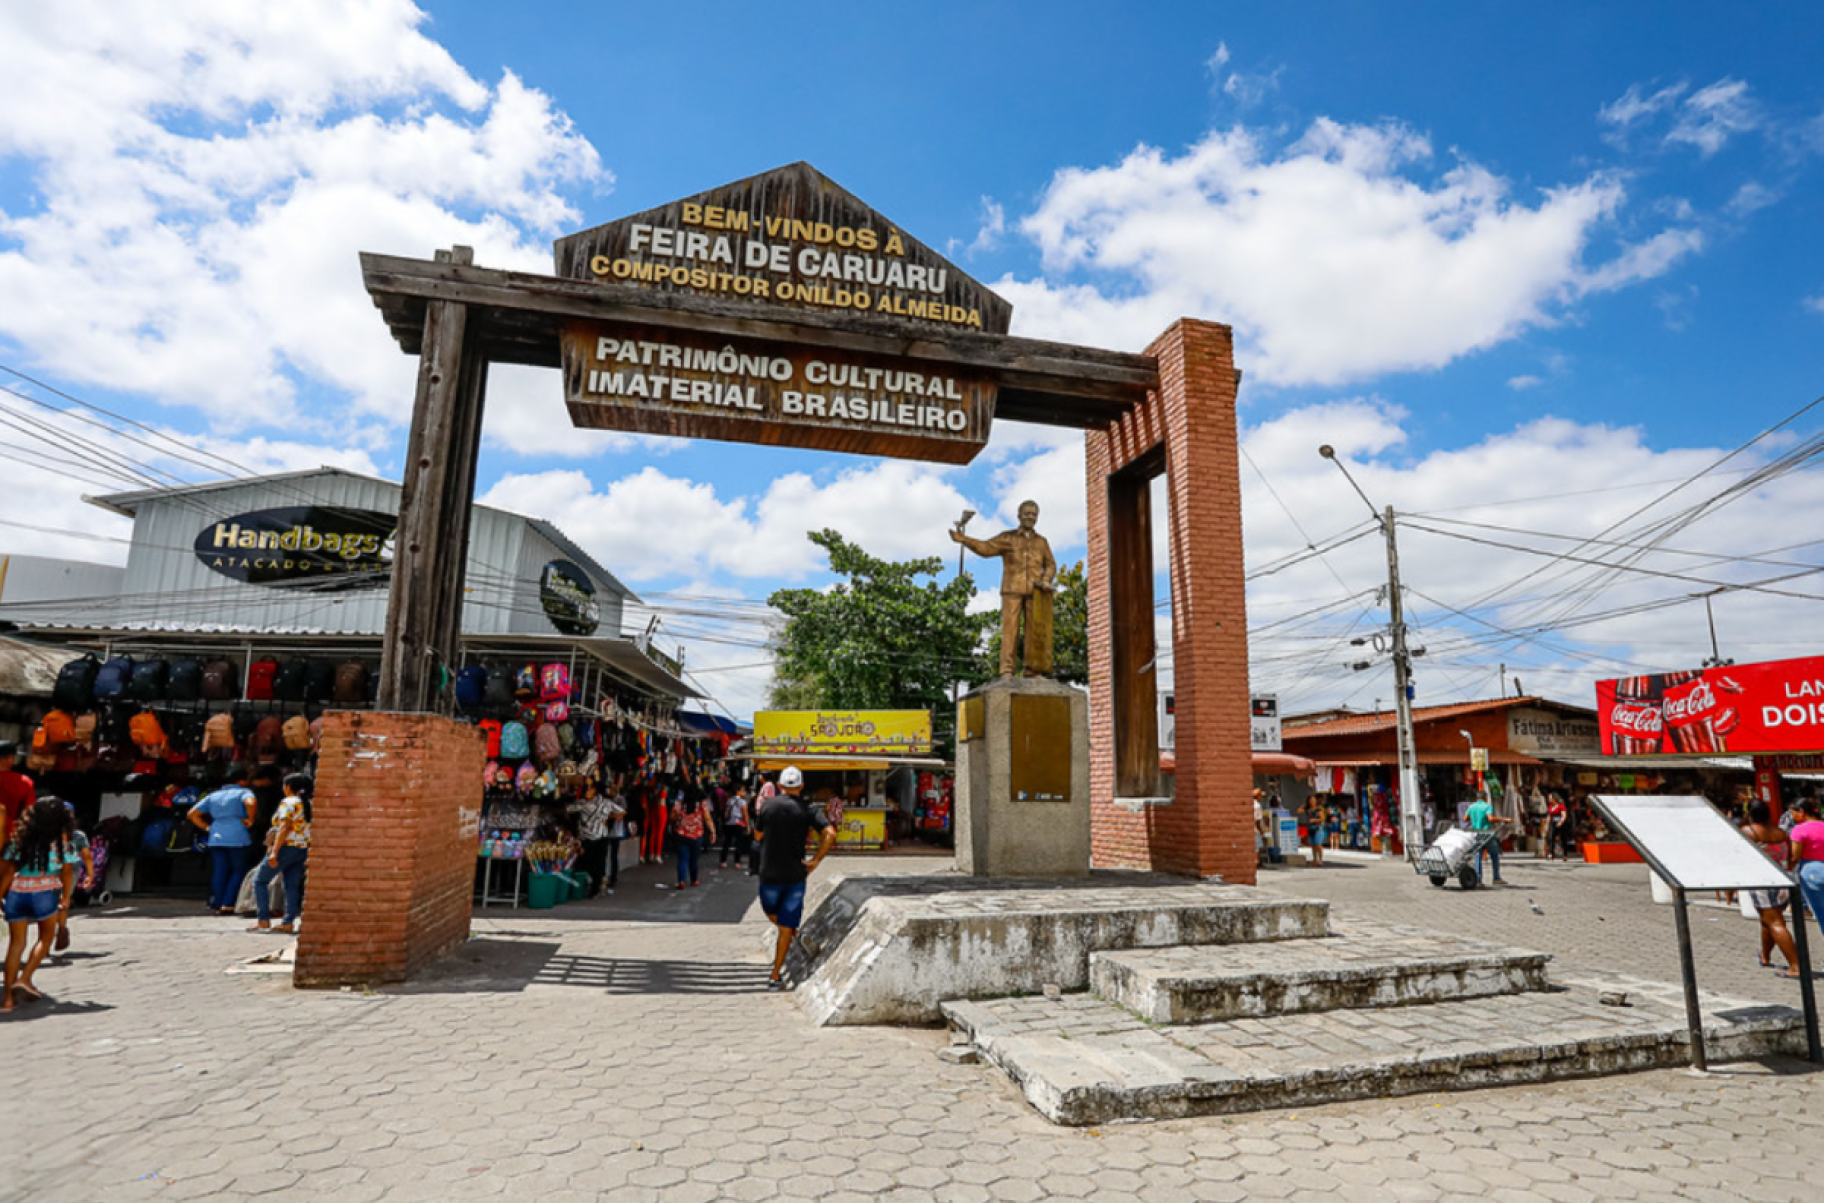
(1022, 780)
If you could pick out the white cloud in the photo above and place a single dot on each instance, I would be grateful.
(1711, 116)
(1815, 304)
(1331, 259)
(1597, 476)
(1636, 105)
(1706, 119)
(987, 235)
(200, 188)
(649, 525)
(1520, 383)
(1751, 197)
(1217, 61)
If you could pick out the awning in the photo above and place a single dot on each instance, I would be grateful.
(709, 724)
(29, 670)
(811, 764)
(1265, 764)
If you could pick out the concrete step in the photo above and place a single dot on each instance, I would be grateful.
(1081, 1060)
(891, 949)
(1366, 966)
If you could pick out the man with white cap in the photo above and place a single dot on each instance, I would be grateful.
(782, 824)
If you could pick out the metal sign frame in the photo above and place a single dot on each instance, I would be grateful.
(1702, 812)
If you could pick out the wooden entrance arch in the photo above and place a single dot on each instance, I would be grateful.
(1170, 411)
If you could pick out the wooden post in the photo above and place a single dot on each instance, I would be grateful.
(430, 557)
(1135, 668)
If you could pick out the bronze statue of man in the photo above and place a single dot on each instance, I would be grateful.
(1028, 580)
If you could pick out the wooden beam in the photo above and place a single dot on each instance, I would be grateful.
(424, 605)
(1062, 369)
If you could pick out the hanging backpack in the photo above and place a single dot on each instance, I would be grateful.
(296, 733)
(111, 682)
(525, 682)
(554, 683)
(316, 735)
(471, 687)
(352, 681)
(185, 684)
(75, 687)
(269, 738)
(490, 731)
(515, 744)
(557, 712)
(526, 778)
(261, 678)
(149, 681)
(566, 735)
(86, 725)
(549, 747)
(146, 733)
(246, 722)
(292, 681)
(320, 686)
(57, 729)
(218, 733)
(498, 695)
(221, 681)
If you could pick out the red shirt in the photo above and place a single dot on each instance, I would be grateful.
(16, 794)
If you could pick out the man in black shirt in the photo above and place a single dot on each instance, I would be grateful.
(782, 824)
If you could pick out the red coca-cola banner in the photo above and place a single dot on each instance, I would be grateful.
(1773, 707)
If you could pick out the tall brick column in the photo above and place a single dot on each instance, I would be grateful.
(1188, 430)
(392, 847)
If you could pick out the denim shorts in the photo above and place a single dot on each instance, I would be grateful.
(783, 902)
(35, 907)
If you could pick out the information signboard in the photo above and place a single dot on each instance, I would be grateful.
(1690, 843)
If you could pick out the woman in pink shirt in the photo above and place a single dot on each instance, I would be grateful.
(1807, 838)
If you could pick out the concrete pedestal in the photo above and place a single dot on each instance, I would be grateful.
(1022, 780)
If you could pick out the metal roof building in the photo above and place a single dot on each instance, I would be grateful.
(303, 560)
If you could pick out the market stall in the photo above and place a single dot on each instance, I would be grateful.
(869, 771)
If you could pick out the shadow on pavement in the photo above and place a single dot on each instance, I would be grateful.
(48, 1006)
(620, 975)
(500, 964)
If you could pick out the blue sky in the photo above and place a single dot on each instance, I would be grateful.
(1527, 267)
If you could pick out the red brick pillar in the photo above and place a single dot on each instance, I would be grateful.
(1187, 430)
(393, 839)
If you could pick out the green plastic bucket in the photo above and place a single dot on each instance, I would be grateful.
(545, 890)
(579, 885)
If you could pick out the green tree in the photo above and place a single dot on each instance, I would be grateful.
(887, 636)
(1069, 631)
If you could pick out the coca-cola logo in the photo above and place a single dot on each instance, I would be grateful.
(1636, 719)
(1691, 705)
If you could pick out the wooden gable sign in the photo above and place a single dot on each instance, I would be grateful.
(785, 242)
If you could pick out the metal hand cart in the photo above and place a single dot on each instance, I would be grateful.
(1453, 854)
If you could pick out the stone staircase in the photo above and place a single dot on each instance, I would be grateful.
(1371, 1011)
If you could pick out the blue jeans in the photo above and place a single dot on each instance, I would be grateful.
(291, 867)
(227, 866)
(1811, 887)
(1493, 853)
(689, 854)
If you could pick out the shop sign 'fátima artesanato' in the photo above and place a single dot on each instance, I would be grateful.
(782, 243)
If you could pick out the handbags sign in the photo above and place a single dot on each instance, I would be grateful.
(568, 597)
(307, 546)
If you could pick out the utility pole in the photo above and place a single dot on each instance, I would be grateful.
(1412, 823)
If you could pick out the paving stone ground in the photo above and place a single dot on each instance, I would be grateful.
(627, 1051)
